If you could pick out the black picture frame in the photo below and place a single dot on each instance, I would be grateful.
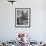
(22, 17)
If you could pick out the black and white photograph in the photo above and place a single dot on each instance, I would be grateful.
(22, 17)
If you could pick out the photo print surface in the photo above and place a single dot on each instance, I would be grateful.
(22, 17)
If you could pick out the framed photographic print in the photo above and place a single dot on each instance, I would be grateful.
(22, 17)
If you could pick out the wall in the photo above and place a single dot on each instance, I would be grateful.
(8, 31)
